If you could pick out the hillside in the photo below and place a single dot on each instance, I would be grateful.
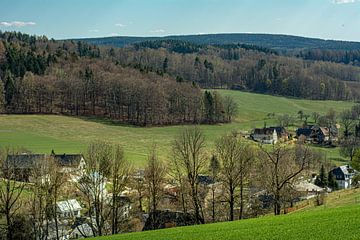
(329, 223)
(42, 133)
(274, 41)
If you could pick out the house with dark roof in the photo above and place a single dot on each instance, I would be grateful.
(317, 134)
(23, 165)
(269, 135)
(344, 176)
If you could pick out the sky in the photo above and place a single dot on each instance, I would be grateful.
(62, 19)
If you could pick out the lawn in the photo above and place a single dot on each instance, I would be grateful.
(330, 223)
(43, 133)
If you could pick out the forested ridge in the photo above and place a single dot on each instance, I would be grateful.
(39, 75)
(243, 67)
(157, 82)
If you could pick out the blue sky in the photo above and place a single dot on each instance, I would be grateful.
(329, 19)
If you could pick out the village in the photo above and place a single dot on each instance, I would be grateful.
(76, 217)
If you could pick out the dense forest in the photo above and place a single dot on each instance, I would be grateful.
(242, 67)
(160, 82)
(46, 76)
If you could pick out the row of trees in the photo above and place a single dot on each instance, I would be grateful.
(238, 169)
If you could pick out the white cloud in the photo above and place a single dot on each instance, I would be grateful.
(17, 24)
(120, 25)
(344, 1)
(94, 30)
(158, 31)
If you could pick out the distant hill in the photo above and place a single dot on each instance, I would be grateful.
(274, 41)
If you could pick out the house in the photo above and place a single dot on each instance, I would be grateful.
(317, 134)
(307, 190)
(70, 163)
(344, 175)
(269, 135)
(68, 209)
(23, 165)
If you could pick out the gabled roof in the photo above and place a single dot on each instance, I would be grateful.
(68, 160)
(270, 130)
(24, 161)
(28, 161)
(305, 186)
(68, 205)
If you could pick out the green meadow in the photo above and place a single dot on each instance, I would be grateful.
(63, 134)
(337, 219)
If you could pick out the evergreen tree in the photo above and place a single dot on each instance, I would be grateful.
(332, 182)
(165, 65)
(2, 97)
(209, 108)
(321, 180)
(9, 87)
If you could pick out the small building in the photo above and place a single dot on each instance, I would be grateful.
(269, 135)
(344, 175)
(68, 209)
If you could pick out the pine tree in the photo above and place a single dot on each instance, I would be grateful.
(2, 97)
(332, 182)
(321, 180)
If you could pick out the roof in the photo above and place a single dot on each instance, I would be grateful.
(341, 171)
(24, 160)
(68, 205)
(304, 131)
(270, 130)
(305, 186)
(68, 160)
(205, 180)
(27, 161)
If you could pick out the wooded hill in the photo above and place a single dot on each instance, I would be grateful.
(156, 82)
(243, 67)
(274, 41)
(46, 76)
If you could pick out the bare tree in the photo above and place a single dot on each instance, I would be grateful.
(47, 181)
(155, 172)
(347, 122)
(189, 151)
(10, 191)
(93, 185)
(230, 108)
(120, 173)
(235, 158)
(214, 170)
(281, 165)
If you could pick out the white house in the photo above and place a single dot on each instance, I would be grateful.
(68, 209)
(344, 175)
(265, 135)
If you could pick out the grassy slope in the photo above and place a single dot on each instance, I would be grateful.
(337, 219)
(42, 133)
(332, 223)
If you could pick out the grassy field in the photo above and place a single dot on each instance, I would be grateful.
(336, 219)
(42, 133)
(330, 223)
